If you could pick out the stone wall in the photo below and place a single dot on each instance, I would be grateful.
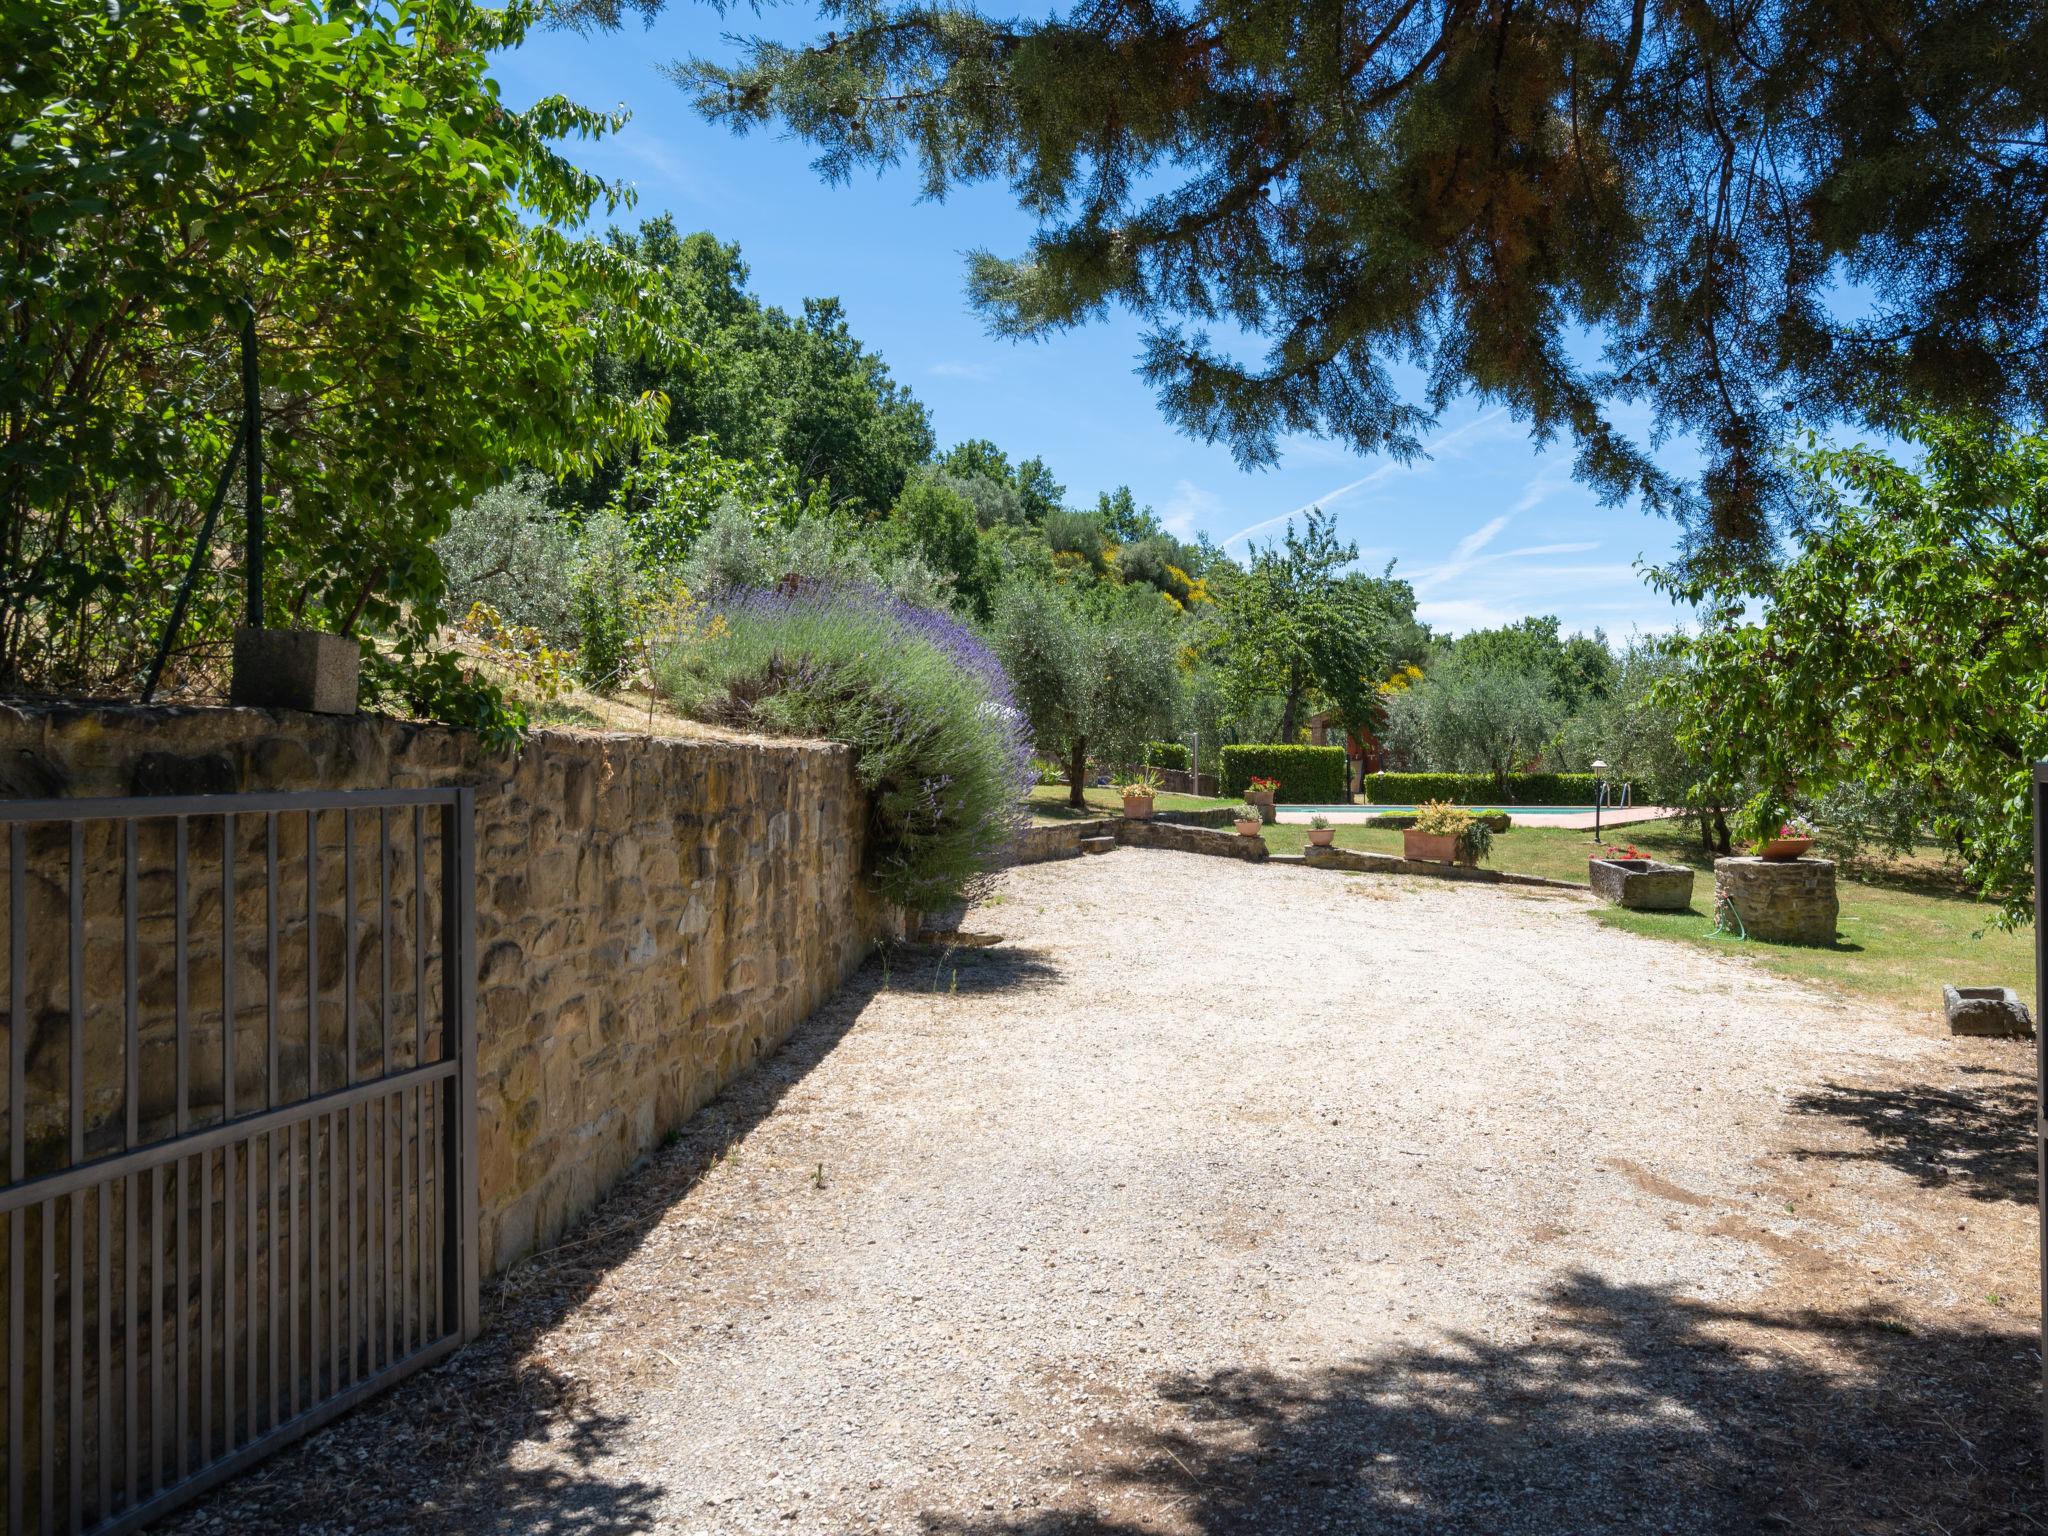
(652, 915)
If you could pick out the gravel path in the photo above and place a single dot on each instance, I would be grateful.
(1232, 1198)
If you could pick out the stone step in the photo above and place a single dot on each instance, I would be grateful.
(1097, 844)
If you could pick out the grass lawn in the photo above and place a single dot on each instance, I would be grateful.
(1049, 803)
(1905, 928)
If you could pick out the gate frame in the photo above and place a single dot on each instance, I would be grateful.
(2041, 1075)
(460, 1279)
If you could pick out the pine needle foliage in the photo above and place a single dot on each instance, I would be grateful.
(1566, 206)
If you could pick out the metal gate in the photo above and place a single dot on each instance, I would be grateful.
(241, 1131)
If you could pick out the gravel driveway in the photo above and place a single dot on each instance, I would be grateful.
(1233, 1198)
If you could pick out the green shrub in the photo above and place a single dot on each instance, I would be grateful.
(605, 593)
(1167, 754)
(1307, 775)
(938, 742)
(1479, 788)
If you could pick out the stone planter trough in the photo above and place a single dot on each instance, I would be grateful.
(1642, 885)
(1986, 1011)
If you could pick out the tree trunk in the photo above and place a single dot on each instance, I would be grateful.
(1077, 774)
(1721, 830)
(1293, 705)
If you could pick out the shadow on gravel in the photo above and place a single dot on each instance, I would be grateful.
(1632, 1411)
(1978, 1141)
(436, 1453)
(965, 968)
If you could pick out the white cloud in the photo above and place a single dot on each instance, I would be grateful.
(1464, 557)
(1380, 473)
(976, 371)
(1188, 505)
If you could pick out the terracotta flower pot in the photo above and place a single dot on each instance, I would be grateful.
(1776, 848)
(1320, 836)
(1249, 828)
(1138, 807)
(1433, 847)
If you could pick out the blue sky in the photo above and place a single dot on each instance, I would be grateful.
(1488, 528)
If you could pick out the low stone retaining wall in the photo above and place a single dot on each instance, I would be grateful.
(1780, 901)
(1184, 839)
(1393, 864)
(652, 915)
(1056, 840)
(1215, 816)
(1178, 781)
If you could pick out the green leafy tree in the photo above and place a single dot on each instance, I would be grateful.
(1123, 519)
(769, 387)
(1038, 490)
(1580, 669)
(1474, 188)
(350, 177)
(1474, 716)
(1293, 623)
(1092, 679)
(938, 524)
(1904, 644)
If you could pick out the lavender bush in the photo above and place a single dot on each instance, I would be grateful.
(938, 741)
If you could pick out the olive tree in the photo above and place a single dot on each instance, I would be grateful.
(1100, 678)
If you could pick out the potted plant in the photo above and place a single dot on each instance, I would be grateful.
(1794, 836)
(1260, 792)
(1320, 832)
(1435, 837)
(1250, 822)
(1138, 794)
(1475, 841)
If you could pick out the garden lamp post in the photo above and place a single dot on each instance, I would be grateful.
(1599, 797)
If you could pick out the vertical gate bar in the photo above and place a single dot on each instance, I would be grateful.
(2041, 1068)
(312, 953)
(77, 984)
(291, 1301)
(419, 935)
(227, 965)
(270, 960)
(370, 1224)
(348, 944)
(46, 1438)
(17, 1006)
(17, 1149)
(458, 904)
(408, 1212)
(346, 1363)
(313, 1336)
(436, 1260)
(359, 1317)
(181, 1332)
(17, 1446)
(333, 1244)
(75, 1425)
(160, 1400)
(179, 1052)
(104, 1394)
(273, 1242)
(205, 1193)
(384, 1063)
(249, 1298)
(131, 1069)
(384, 926)
(385, 1289)
(228, 1331)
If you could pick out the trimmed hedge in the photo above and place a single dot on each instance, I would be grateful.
(1307, 775)
(1479, 788)
(1167, 754)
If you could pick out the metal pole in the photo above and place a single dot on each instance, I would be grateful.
(252, 418)
(2041, 1064)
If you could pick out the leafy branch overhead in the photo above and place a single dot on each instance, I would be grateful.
(1566, 207)
(425, 318)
